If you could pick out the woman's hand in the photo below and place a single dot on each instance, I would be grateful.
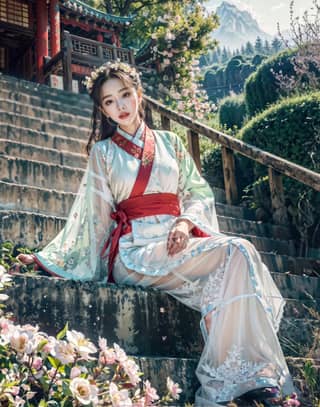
(179, 236)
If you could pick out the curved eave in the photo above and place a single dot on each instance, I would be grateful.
(87, 11)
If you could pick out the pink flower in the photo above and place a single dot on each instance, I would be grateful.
(121, 355)
(107, 357)
(173, 388)
(81, 344)
(132, 370)
(75, 372)
(292, 401)
(64, 352)
(119, 398)
(150, 393)
(37, 363)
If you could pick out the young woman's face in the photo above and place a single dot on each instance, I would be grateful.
(121, 103)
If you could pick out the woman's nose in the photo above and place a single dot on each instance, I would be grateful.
(120, 105)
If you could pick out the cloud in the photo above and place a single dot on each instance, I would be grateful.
(278, 6)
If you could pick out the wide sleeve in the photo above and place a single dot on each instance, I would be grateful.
(196, 196)
(75, 252)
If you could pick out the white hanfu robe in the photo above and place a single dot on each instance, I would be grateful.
(218, 275)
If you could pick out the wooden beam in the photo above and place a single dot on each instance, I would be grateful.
(194, 147)
(229, 175)
(165, 123)
(281, 165)
(279, 210)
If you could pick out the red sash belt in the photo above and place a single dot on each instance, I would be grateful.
(134, 208)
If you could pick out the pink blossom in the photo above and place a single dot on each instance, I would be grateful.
(37, 363)
(64, 352)
(75, 372)
(119, 398)
(132, 370)
(150, 393)
(173, 389)
(102, 343)
(292, 401)
(107, 357)
(121, 355)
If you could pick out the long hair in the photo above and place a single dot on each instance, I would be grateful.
(101, 126)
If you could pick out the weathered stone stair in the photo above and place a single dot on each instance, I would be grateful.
(43, 133)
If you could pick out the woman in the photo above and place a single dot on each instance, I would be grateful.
(144, 216)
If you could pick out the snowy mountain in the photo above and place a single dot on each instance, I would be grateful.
(236, 27)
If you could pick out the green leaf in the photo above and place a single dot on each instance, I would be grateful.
(63, 332)
(54, 362)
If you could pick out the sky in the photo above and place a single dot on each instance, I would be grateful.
(269, 12)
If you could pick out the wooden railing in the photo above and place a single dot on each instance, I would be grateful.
(277, 167)
(79, 55)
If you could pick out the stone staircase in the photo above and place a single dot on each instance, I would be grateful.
(43, 134)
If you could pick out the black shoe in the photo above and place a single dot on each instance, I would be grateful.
(264, 394)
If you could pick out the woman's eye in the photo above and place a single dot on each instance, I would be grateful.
(126, 94)
(108, 102)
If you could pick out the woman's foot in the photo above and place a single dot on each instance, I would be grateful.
(269, 396)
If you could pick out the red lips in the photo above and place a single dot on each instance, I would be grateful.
(123, 115)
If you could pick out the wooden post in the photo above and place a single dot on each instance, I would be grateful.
(165, 123)
(41, 37)
(148, 118)
(229, 175)
(279, 210)
(55, 40)
(194, 147)
(67, 60)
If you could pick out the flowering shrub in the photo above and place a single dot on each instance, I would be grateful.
(177, 41)
(68, 370)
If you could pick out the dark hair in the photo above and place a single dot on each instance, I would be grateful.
(103, 127)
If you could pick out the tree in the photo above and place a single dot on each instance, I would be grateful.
(276, 45)
(258, 46)
(249, 50)
(266, 47)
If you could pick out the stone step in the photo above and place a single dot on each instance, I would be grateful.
(32, 98)
(43, 154)
(43, 91)
(182, 371)
(47, 126)
(16, 197)
(233, 211)
(33, 199)
(292, 265)
(22, 226)
(275, 246)
(129, 315)
(255, 228)
(31, 110)
(40, 174)
(41, 139)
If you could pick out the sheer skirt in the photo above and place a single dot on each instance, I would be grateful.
(228, 284)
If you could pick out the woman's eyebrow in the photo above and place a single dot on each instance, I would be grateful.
(120, 90)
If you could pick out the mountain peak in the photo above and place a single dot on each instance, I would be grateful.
(237, 27)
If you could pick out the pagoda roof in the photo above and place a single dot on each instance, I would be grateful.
(88, 11)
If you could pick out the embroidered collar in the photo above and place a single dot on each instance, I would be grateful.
(136, 138)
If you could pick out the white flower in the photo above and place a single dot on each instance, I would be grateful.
(119, 398)
(4, 277)
(173, 388)
(121, 355)
(64, 352)
(4, 297)
(83, 391)
(81, 344)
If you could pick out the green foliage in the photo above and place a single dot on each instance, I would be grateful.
(291, 130)
(232, 111)
(220, 80)
(8, 253)
(262, 87)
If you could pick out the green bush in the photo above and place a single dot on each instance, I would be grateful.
(232, 112)
(262, 88)
(291, 130)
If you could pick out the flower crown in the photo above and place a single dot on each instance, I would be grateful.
(105, 69)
